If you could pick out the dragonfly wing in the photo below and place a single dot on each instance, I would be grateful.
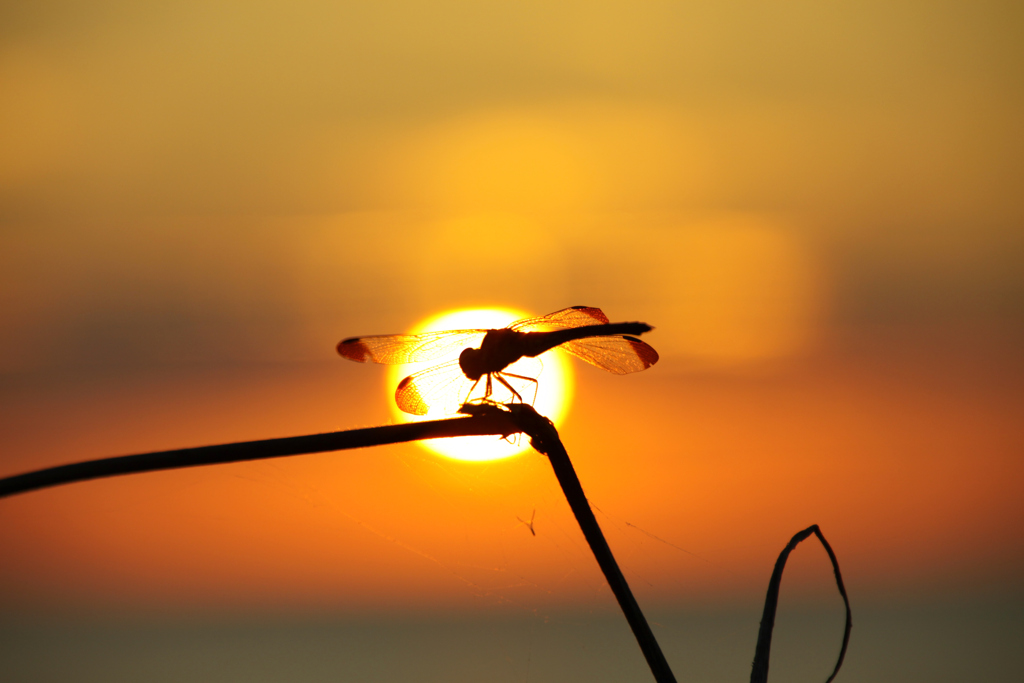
(575, 316)
(408, 348)
(441, 386)
(620, 354)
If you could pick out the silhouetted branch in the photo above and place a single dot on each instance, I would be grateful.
(544, 438)
(483, 419)
(497, 423)
(759, 671)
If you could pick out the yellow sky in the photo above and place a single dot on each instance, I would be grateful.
(234, 165)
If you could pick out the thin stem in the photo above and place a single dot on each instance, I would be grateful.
(484, 419)
(545, 439)
(497, 423)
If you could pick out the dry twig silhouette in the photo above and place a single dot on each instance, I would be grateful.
(480, 419)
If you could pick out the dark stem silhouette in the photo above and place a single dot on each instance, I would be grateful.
(484, 419)
(497, 423)
(759, 669)
(544, 438)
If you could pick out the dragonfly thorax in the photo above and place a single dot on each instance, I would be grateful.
(499, 349)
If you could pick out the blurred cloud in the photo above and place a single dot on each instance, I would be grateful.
(37, 123)
(741, 288)
(225, 166)
(242, 107)
(500, 161)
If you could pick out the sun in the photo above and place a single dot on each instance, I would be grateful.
(554, 385)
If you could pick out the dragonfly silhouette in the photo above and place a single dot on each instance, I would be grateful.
(581, 330)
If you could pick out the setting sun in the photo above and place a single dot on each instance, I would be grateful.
(552, 371)
(225, 227)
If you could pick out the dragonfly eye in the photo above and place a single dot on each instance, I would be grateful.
(469, 361)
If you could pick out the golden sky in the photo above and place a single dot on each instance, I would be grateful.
(816, 205)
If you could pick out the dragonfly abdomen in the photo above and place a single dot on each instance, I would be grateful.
(539, 342)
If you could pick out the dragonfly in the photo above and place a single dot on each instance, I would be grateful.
(583, 331)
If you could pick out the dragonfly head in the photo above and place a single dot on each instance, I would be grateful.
(471, 362)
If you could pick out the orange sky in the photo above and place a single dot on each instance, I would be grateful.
(817, 208)
(898, 462)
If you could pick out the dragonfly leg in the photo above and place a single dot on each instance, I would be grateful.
(515, 394)
(536, 385)
(471, 390)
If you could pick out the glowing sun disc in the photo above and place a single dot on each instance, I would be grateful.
(554, 389)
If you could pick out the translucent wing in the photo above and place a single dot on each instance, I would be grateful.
(408, 348)
(575, 316)
(441, 386)
(617, 354)
(620, 354)
(446, 387)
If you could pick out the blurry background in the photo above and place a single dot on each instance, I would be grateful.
(817, 205)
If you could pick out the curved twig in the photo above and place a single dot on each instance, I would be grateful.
(759, 671)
